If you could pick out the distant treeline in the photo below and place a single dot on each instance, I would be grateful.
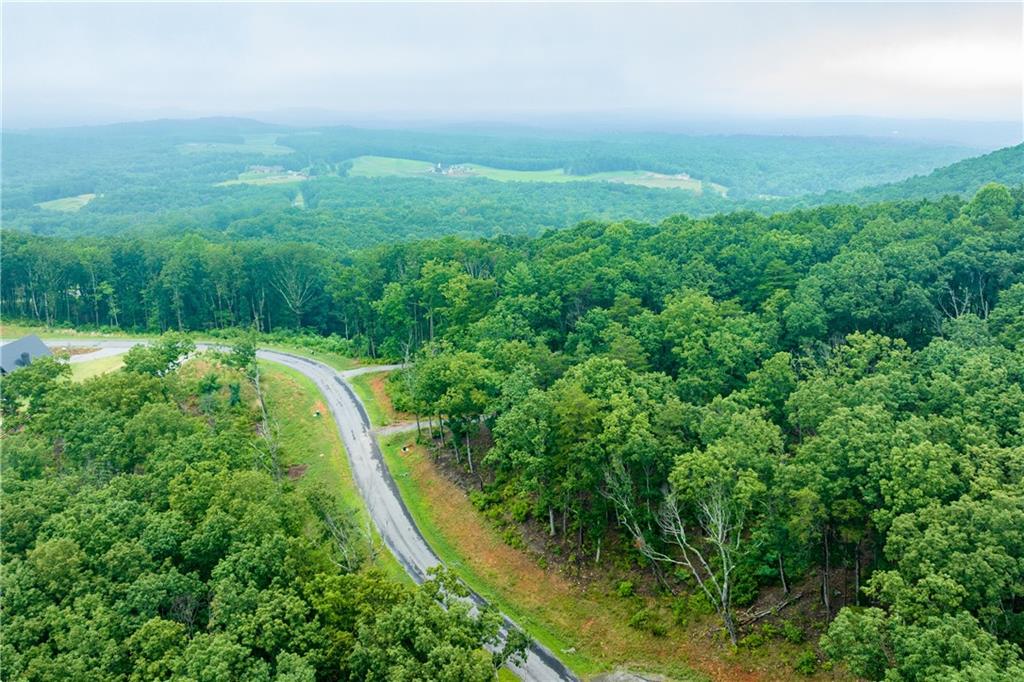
(164, 179)
(750, 166)
(825, 272)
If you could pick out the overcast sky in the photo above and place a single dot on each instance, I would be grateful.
(73, 63)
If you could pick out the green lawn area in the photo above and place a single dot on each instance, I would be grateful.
(382, 166)
(67, 204)
(93, 368)
(361, 385)
(254, 178)
(314, 442)
(261, 143)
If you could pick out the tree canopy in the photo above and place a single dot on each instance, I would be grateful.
(143, 540)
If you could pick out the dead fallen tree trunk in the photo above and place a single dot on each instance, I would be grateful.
(748, 617)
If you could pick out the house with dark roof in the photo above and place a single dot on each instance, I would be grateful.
(21, 353)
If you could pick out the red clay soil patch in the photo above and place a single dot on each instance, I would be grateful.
(296, 471)
(554, 598)
(320, 408)
(379, 388)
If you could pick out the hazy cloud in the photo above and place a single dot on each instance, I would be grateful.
(65, 63)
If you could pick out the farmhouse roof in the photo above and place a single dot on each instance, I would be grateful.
(19, 353)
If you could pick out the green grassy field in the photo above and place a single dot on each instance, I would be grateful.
(10, 331)
(313, 442)
(254, 178)
(67, 204)
(93, 368)
(262, 143)
(381, 166)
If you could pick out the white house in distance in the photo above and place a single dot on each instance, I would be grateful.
(21, 353)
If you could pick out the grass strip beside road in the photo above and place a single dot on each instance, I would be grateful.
(335, 360)
(362, 385)
(372, 390)
(314, 442)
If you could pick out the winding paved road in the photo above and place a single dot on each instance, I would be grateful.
(378, 489)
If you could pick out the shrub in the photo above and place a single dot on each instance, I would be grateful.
(658, 629)
(519, 508)
(210, 383)
(753, 641)
(680, 611)
(792, 632)
(625, 588)
(695, 604)
(483, 500)
(641, 619)
(646, 620)
(235, 390)
(512, 538)
(745, 589)
(493, 514)
(806, 663)
(698, 604)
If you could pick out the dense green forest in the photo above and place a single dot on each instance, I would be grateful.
(814, 383)
(170, 177)
(828, 397)
(834, 394)
(149, 533)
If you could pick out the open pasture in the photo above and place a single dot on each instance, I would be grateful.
(262, 143)
(381, 166)
(67, 204)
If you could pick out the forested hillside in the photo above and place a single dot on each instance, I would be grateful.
(830, 401)
(150, 533)
(963, 178)
(233, 179)
(803, 264)
(749, 166)
(829, 398)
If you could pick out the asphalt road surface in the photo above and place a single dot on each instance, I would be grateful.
(378, 489)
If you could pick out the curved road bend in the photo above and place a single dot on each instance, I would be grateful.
(373, 479)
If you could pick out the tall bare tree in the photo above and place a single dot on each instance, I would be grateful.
(709, 555)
